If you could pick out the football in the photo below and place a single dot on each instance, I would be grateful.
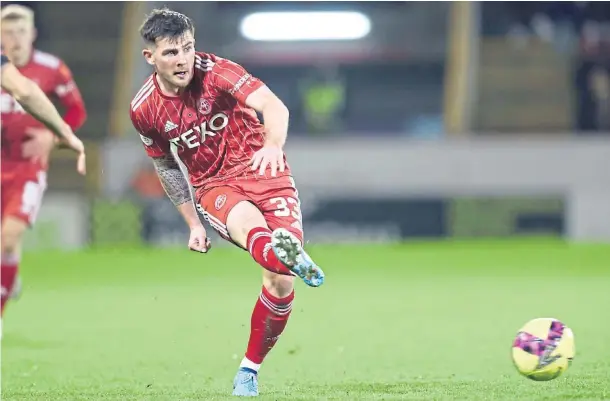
(543, 349)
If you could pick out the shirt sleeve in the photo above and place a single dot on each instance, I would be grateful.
(232, 78)
(154, 144)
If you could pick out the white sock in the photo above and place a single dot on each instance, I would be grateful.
(246, 363)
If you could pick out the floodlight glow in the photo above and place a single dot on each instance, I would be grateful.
(306, 25)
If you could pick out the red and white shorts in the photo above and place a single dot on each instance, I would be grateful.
(277, 198)
(22, 193)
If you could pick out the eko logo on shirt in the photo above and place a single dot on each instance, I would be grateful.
(198, 134)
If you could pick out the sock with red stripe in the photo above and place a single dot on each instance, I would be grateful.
(8, 275)
(259, 246)
(269, 319)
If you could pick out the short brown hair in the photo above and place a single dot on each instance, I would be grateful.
(165, 23)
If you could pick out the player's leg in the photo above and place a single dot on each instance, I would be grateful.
(252, 224)
(233, 215)
(13, 229)
(269, 318)
(21, 198)
(282, 210)
(247, 227)
(274, 305)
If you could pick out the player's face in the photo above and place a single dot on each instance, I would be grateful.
(17, 39)
(174, 59)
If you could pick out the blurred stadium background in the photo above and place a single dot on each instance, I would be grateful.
(435, 121)
(443, 120)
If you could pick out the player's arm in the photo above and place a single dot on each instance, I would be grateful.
(172, 179)
(177, 188)
(70, 97)
(275, 114)
(33, 100)
(252, 92)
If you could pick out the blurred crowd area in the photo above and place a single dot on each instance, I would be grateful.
(578, 30)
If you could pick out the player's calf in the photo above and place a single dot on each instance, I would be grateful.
(269, 319)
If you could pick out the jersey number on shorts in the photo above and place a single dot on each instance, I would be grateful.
(284, 206)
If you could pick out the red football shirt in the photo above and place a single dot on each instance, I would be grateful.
(208, 126)
(55, 80)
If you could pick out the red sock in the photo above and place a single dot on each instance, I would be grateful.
(269, 319)
(8, 274)
(259, 246)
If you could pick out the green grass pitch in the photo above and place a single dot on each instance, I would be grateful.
(421, 321)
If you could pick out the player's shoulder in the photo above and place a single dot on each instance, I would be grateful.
(147, 86)
(141, 112)
(46, 60)
(143, 95)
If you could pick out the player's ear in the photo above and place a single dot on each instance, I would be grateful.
(148, 56)
(34, 34)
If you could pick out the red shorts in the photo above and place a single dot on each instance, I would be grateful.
(22, 193)
(277, 198)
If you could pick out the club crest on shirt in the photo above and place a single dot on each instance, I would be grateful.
(220, 201)
(204, 106)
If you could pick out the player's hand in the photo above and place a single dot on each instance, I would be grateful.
(199, 241)
(74, 143)
(39, 145)
(269, 155)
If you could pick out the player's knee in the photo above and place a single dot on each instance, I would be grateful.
(277, 284)
(12, 232)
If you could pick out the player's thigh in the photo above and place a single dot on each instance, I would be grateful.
(280, 205)
(230, 212)
(242, 218)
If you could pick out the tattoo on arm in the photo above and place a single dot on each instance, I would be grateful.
(175, 184)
